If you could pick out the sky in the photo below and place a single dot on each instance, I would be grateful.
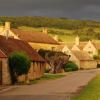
(74, 9)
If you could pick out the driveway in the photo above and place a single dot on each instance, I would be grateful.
(59, 89)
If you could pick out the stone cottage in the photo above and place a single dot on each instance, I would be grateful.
(38, 40)
(9, 45)
(84, 61)
(81, 58)
(91, 47)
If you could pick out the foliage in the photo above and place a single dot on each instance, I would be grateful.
(61, 23)
(90, 32)
(70, 66)
(96, 57)
(97, 36)
(56, 60)
(19, 64)
(85, 38)
(47, 70)
(59, 26)
(98, 65)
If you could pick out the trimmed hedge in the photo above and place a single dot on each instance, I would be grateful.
(19, 64)
(70, 66)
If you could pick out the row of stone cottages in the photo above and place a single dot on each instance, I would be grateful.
(16, 40)
(41, 40)
(82, 52)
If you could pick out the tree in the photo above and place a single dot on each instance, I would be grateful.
(19, 64)
(56, 60)
(97, 36)
(90, 32)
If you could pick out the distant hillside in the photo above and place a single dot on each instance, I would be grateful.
(63, 27)
(69, 35)
(61, 23)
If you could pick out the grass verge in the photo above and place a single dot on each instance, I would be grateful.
(47, 77)
(91, 91)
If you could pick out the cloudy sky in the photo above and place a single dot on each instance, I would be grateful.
(75, 9)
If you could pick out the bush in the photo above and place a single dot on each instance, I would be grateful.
(19, 64)
(96, 57)
(70, 66)
(47, 70)
(85, 38)
(98, 65)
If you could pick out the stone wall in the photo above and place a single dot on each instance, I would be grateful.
(36, 71)
(6, 79)
(88, 64)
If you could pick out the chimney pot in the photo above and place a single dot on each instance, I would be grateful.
(45, 30)
(7, 25)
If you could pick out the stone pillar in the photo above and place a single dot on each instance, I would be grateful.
(6, 79)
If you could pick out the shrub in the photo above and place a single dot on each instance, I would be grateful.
(85, 38)
(47, 70)
(19, 64)
(96, 57)
(98, 65)
(70, 66)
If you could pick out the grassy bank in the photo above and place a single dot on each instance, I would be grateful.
(47, 77)
(91, 92)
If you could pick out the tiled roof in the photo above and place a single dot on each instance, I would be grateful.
(69, 45)
(82, 55)
(7, 46)
(96, 44)
(2, 55)
(36, 37)
(82, 45)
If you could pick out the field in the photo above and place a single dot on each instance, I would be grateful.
(91, 92)
(63, 35)
(66, 38)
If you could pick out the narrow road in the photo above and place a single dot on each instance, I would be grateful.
(59, 89)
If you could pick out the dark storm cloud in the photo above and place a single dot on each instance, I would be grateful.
(78, 9)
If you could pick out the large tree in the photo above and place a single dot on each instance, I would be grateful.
(56, 60)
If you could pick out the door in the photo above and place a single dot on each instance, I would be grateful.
(0, 72)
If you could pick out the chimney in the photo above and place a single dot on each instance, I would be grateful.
(45, 30)
(7, 34)
(77, 41)
(7, 25)
(7, 28)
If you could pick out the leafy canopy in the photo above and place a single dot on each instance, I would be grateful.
(19, 62)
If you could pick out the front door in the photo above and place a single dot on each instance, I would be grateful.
(0, 72)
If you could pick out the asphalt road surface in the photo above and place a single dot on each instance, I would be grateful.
(59, 89)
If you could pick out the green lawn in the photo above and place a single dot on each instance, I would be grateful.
(91, 92)
(65, 38)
